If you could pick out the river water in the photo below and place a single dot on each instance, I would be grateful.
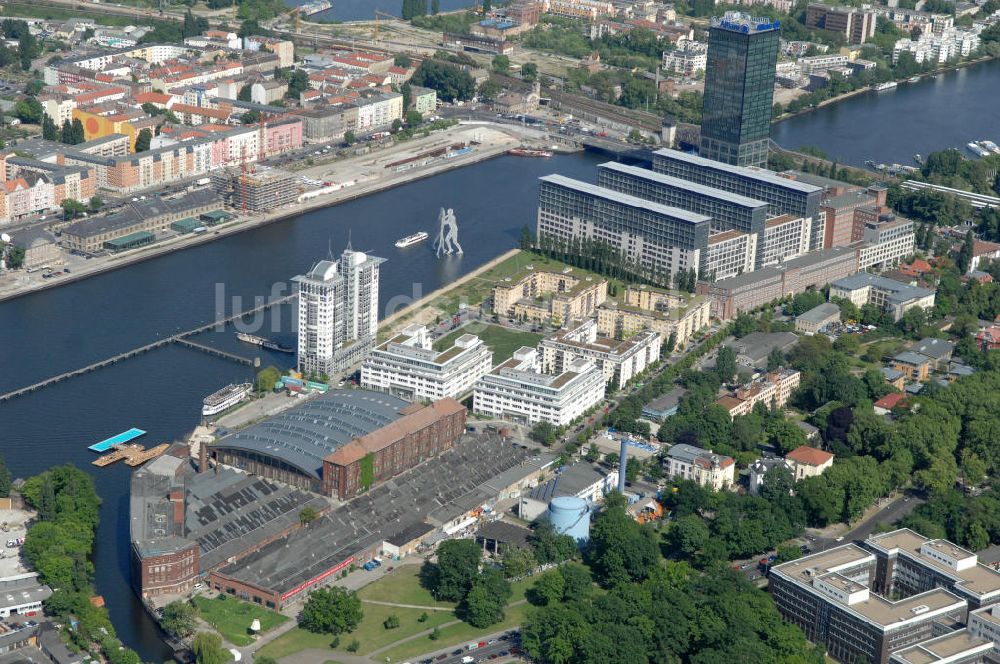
(945, 111)
(71, 326)
(364, 10)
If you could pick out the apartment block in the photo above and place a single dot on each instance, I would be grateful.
(377, 112)
(704, 467)
(517, 390)
(408, 367)
(620, 320)
(855, 24)
(619, 360)
(688, 60)
(772, 390)
(540, 296)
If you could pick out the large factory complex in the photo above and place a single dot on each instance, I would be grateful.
(229, 514)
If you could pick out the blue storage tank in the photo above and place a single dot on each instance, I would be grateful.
(571, 516)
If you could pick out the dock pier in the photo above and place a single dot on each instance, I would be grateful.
(181, 338)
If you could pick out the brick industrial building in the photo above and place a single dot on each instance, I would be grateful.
(343, 442)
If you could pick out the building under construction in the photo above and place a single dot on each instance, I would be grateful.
(259, 190)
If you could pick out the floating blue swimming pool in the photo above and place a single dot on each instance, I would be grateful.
(123, 437)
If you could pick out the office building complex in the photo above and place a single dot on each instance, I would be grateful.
(408, 367)
(702, 466)
(887, 240)
(619, 361)
(655, 237)
(517, 390)
(337, 313)
(840, 597)
(783, 195)
(739, 89)
(893, 297)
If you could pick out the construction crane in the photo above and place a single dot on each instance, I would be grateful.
(296, 15)
(383, 15)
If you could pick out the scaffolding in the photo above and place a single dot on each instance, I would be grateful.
(254, 191)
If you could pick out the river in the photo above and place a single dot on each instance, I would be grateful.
(944, 111)
(364, 10)
(71, 326)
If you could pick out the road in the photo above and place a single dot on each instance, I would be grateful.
(502, 642)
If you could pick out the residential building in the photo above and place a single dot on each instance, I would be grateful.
(988, 338)
(540, 296)
(708, 469)
(619, 361)
(815, 64)
(834, 597)
(424, 100)
(938, 48)
(653, 236)
(269, 91)
(783, 195)
(739, 89)
(585, 9)
(982, 250)
(759, 470)
(337, 313)
(407, 366)
(377, 112)
(28, 194)
(817, 319)
(688, 60)
(328, 123)
(681, 320)
(885, 405)
(857, 25)
(517, 390)
(938, 351)
(893, 297)
(772, 390)
(805, 461)
(913, 365)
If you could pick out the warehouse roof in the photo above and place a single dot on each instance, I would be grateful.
(303, 436)
(135, 212)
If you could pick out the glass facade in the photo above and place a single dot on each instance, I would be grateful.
(739, 90)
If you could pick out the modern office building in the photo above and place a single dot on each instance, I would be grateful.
(702, 466)
(893, 297)
(887, 240)
(337, 313)
(728, 211)
(655, 237)
(619, 360)
(783, 195)
(407, 366)
(739, 89)
(785, 237)
(857, 25)
(517, 390)
(833, 597)
(729, 253)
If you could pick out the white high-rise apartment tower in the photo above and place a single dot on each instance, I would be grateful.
(338, 313)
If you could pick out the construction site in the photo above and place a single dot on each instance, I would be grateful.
(255, 190)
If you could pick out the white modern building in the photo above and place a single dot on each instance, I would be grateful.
(688, 60)
(785, 237)
(619, 361)
(702, 466)
(408, 366)
(337, 313)
(893, 297)
(517, 390)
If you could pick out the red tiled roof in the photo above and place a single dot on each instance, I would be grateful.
(152, 98)
(990, 334)
(981, 248)
(809, 456)
(890, 401)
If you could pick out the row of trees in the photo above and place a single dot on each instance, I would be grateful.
(59, 544)
(459, 576)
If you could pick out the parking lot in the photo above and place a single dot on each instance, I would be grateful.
(12, 527)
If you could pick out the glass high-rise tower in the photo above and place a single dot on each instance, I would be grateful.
(739, 89)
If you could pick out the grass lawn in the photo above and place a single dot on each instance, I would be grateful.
(371, 633)
(502, 341)
(402, 586)
(232, 618)
(454, 635)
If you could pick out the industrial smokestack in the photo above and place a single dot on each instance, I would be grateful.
(622, 460)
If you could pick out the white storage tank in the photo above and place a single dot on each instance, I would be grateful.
(570, 516)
